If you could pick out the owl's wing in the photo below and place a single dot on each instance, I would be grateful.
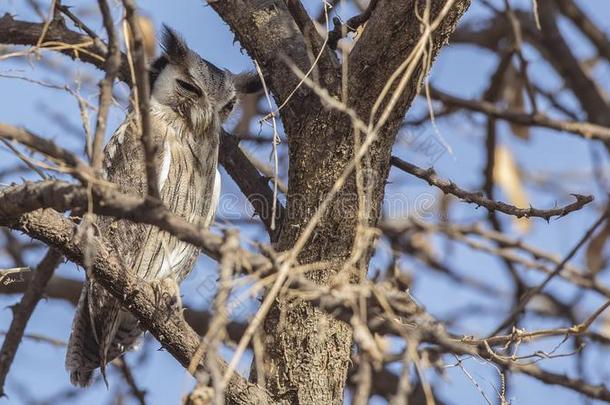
(101, 331)
(124, 166)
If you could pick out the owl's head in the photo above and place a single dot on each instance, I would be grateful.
(196, 89)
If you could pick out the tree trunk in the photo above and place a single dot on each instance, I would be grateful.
(308, 351)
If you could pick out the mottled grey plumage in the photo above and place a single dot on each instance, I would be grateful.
(190, 99)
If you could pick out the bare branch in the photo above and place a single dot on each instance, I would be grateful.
(23, 311)
(111, 66)
(170, 329)
(430, 176)
(584, 129)
(142, 98)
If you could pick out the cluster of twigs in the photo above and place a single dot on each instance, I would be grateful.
(296, 272)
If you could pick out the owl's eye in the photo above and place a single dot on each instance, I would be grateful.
(229, 106)
(189, 87)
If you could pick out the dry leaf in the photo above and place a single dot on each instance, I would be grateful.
(359, 32)
(514, 96)
(444, 204)
(597, 258)
(147, 29)
(604, 328)
(506, 175)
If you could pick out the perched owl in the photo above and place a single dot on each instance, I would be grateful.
(190, 98)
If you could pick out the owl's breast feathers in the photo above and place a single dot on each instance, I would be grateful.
(189, 186)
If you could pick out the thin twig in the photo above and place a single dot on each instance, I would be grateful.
(23, 311)
(142, 97)
(535, 291)
(111, 66)
(430, 176)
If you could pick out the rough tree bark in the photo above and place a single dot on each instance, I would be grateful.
(315, 324)
(307, 351)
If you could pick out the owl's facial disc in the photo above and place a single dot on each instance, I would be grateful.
(194, 88)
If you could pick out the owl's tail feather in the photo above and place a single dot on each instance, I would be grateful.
(81, 357)
(119, 332)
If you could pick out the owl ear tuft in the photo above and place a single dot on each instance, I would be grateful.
(247, 83)
(174, 46)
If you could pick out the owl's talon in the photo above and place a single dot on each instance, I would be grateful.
(167, 296)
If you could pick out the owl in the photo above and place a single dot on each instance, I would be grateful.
(190, 99)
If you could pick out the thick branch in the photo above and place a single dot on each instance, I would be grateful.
(62, 196)
(552, 43)
(587, 26)
(251, 183)
(139, 297)
(391, 34)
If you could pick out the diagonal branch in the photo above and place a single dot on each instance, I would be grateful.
(138, 296)
(552, 43)
(61, 196)
(252, 183)
(597, 37)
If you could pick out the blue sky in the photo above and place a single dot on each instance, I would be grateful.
(460, 70)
